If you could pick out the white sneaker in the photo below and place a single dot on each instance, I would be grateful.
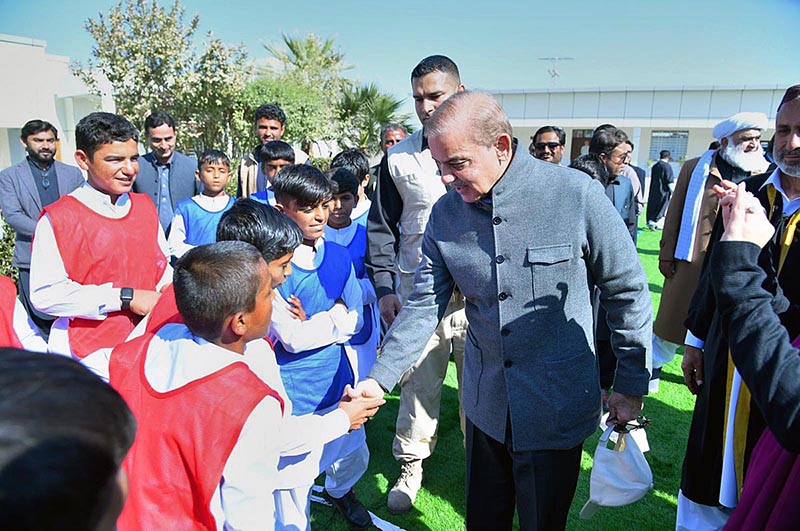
(405, 489)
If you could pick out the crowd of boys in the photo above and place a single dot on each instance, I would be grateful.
(236, 329)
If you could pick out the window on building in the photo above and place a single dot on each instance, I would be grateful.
(674, 141)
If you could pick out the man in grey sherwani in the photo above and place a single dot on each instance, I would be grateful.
(527, 242)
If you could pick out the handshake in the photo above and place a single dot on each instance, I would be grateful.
(362, 402)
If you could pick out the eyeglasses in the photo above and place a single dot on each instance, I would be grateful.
(539, 146)
(622, 157)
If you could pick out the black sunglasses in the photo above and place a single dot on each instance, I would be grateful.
(539, 146)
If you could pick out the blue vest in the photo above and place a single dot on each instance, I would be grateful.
(315, 379)
(358, 249)
(200, 224)
(266, 196)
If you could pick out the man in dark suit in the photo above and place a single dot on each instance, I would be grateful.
(662, 181)
(526, 266)
(26, 188)
(166, 175)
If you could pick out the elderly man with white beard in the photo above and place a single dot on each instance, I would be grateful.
(688, 224)
(726, 424)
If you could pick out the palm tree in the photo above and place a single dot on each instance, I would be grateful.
(365, 110)
(311, 59)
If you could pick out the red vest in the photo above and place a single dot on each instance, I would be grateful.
(164, 312)
(8, 299)
(96, 250)
(183, 440)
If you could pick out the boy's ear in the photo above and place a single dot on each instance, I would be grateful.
(82, 159)
(237, 323)
(279, 207)
(197, 174)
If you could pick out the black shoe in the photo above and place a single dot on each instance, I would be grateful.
(353, 510)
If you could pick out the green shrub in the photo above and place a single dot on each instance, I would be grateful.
(6, 251)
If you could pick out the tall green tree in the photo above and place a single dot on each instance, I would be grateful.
(148, 54)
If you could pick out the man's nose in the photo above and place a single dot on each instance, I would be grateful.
(793, 142)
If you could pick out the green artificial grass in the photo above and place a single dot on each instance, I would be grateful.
(440, 503)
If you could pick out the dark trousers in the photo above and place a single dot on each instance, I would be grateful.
(541, 484)
(42, 321)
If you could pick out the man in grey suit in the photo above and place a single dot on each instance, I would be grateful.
(526, 242)
(165, 175)
(26, 188)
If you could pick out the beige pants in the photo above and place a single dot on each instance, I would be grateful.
(421, 386)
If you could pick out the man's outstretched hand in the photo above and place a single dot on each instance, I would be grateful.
(368, 388)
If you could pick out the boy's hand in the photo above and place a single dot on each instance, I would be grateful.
(296, 308)
(360, 409)
(143, 301)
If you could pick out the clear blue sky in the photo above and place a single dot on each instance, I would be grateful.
(623, 43)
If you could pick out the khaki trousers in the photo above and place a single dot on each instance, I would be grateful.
(421, 386)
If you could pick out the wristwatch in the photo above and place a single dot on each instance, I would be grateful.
(125, 296)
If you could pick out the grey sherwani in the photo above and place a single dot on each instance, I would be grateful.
(527, 264)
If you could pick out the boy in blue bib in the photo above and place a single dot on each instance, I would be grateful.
(196, 218)
(342, 229)
(316, 312)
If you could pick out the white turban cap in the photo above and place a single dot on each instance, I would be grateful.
(739, 121)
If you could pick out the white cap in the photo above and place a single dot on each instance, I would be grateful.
(739, 121)
(619, 477)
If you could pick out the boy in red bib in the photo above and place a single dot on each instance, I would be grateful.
(99, 256)
(211, 408)
(208, 425)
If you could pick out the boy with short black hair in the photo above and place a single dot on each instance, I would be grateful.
(356, 161)
(196, 218)
(65, 434)
(342, 230)
(317, 311)
(272, 233)
(99, 258)
(211, 426)
(273, 156)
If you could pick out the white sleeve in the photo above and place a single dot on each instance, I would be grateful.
(250, 474)
(177, 237)
(54, 293)
(693, 341)
(305, 433)
(26, 331)
(324, 328)
(353, 297)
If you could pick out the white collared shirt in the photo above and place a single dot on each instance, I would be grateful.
(790, 206)
(336, 325)
(54, 293)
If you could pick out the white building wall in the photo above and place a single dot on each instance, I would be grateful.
(638, 111)
(38, 85)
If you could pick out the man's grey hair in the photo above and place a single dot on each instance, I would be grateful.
(478, 112)
(391, 127)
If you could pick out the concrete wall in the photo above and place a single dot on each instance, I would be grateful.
(40, 86)
(638, 111)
